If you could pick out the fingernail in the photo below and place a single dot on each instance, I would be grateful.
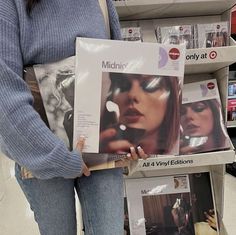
(82, 137)
(128, 155)
(132, 149)
(139, 148)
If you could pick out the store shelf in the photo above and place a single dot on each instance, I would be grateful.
(183, 161)
(231, 124)
(208, 60)
(139, 9)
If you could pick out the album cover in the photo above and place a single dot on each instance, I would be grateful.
(180, 34)
(128, 96)
(202, 125)
(212, 35)
(30, 78)
(204, 213)
(171, 205)
(232, 85)
(231, 110)
(56, 85)
(131, 34)
(52, 86)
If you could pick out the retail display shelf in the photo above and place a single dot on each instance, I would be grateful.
(212, 62)
(208, 60)
(183, 161)
(139, 9)
(231, 124)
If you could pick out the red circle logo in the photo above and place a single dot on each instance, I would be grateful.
(210, 85)
(130, 31)
(174, 53)
(213, 55)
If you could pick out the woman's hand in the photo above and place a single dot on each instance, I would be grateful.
(79, 147)
(136, 153)
(186, 149)
(109, 144)
(211, 218)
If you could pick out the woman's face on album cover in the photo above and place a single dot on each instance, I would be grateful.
(142, 100)
(218, 40)
(197, 119)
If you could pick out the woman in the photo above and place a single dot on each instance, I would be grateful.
(148, 113)
(217, 39)
(182, 216)
(38, 32)
(202, 127)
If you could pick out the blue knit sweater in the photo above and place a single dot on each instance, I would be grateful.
(48, 35)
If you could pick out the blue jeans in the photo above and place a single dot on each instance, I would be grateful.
(53, 202)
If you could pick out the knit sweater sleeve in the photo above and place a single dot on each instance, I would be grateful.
(23, 134)
(114, 21)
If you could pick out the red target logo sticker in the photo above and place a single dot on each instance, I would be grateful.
(210, 85)
(213, 55)
(174, 53)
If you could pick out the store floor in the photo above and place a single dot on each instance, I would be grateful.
(16, 217)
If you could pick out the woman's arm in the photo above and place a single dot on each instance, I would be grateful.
(114, 21)
(23, 135)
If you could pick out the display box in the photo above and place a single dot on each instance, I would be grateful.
(212, 35)
(202, 125)
(169, 205)
(231, 110)
(133, 34)
(180, 34)
(128, 95)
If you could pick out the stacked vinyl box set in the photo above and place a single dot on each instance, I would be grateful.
(192, 35)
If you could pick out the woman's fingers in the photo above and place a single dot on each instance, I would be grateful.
(80, 143)
(136, 153)
(141, 153)
(210, 218)
(79, 147)
(189, 150)
(133, 153)
(107, 134)
(86, 171)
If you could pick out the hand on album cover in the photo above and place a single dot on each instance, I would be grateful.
(185, 148)
(122, 146)
(110, 144)
(79, 147)
(211, 218)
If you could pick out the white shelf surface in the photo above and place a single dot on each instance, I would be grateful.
(209, 60)
(231, 124)
(147, 9)
(183, 161)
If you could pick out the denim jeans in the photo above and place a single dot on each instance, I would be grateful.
(53, 202)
